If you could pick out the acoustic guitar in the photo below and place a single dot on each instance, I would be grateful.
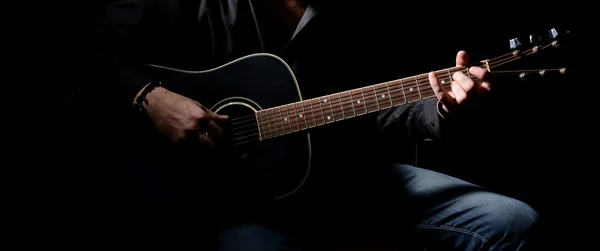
(270, 121)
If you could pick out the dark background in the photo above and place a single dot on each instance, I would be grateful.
(516, 157)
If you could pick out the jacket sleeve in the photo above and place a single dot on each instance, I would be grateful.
(412, 122)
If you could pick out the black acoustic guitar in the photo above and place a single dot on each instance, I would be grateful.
(270, 121)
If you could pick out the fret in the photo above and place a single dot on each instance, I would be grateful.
(269, 129)
(328, 109)
(318, 111)
(265, 124)
(279, 120)
(338, 110)
(348, 102)
(418, 87)
(364, 101)
(371, 103)
(376, 97)
(383, 96)
(449, 77)
(359, 102)
(389, 93)
(272, 120)
(401, 99)
(309, 116)
(286, 118)
(302, 125)
(261, 130)
(292, 117)
(410, 90)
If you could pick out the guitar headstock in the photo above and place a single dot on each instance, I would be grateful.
(535, 56)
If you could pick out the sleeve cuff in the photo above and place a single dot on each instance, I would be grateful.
(131, 83)
(431, 117)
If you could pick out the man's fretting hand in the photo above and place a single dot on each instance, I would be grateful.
(465, 94)
(178, 117)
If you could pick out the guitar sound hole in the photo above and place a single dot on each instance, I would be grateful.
(242, 129)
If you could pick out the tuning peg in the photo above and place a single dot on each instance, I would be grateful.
(563, 70)
(515, 43)
(523, 76)
(553, 34)
(542, 73)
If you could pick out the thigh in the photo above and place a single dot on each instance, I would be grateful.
(254, 237)
(448, 212)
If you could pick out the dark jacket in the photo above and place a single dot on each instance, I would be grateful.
(202, 34)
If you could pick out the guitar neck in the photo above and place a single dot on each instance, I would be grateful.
(303, 115)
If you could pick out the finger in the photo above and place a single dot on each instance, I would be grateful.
(439, 91)
(483, 75)
(465, 82)
(220, 117)
(214, 130)
(216, 116)
(199, 113)
(462, 59)
(459, 92)
(205, 140)
(485, 86)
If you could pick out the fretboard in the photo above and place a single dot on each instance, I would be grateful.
(303, 115)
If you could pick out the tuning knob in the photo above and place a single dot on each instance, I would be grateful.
(562, 70)
(553, 34)
(523, 76)
(515, 44)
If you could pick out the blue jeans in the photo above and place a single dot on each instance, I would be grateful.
(441, 212)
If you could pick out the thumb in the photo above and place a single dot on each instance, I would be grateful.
(214, 115)
(221, 117)
(462, 59)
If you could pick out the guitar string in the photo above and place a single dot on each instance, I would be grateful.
(371, 96)
(337, 111)
(503, 59)
(371, 100)
(272, 132)
(348, 94)
(338, 107)
(419, 77)
(490, 62)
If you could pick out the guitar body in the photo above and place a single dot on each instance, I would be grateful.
(273, 168)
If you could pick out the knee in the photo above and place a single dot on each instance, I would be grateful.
(511, 221)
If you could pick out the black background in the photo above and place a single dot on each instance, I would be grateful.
(526, 129)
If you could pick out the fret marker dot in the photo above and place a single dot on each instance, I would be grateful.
(300, 115)
(358, 101)
(410, 89)
(324, 100)
(443, 81)
(284, 119)
(383, 95)
(328, 117)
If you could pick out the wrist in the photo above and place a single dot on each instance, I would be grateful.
(137, 95)
(141, 98)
